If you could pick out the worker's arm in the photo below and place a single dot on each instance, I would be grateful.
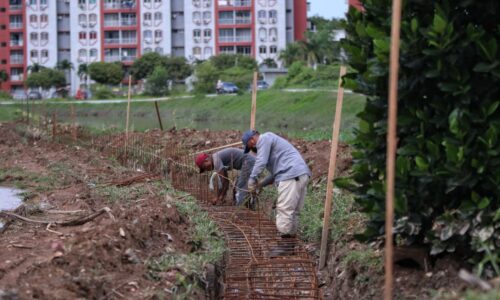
(225, 185)
(263, 153)
(266, 181)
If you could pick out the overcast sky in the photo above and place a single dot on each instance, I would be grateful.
(328, 8)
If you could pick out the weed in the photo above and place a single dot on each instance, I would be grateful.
(124, 194)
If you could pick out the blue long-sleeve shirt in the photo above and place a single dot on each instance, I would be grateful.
(279, 157)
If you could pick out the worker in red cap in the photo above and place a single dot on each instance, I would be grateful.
(223, 161)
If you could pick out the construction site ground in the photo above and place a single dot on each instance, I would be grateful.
(109, 257)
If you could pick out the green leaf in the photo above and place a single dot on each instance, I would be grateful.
(382, 45)
(414, 25)
(421, 163)
(484, 203)
(484, 67)
(493, 108)
(453, 122)
(439, 24)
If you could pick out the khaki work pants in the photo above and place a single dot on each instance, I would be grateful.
(291, 195)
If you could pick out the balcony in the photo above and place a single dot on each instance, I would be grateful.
(235, 3)
(122, 22)
(16, 43)
(237, 21)
(108, 41)
(123, 41)
(13, 7)
(128, 58)
(17, 60)
(129, 41)
(16, 25)
(120, 5)
(19, 77)
(113, 58)
(234, 39)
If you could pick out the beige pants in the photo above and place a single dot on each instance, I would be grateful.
(291, 195)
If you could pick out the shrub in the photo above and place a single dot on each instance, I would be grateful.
(101, 92)
(447, 183)
(5, 95)
(206, 78)
(157, 83)
(106, 73)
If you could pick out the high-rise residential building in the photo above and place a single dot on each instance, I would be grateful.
(46, 32)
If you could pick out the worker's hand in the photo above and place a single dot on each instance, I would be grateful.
(252, 185)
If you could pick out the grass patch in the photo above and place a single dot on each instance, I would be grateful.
(23, 179)
(206, 242)
(307, 115)
(125, 194)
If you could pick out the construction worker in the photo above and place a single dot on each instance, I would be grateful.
(223, 161)
(291, 175)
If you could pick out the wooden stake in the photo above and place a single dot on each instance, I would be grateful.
(217, 148)
(331, 170)
(73, 118)
(128, 113)
(158, 114)
(254, 100)
(391, 146)
(54, 127)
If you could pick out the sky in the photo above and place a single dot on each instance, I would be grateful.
(328, 8)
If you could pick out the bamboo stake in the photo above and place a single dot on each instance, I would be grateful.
(128, 114)
(391, 146)
(73, 117)
(254, 101)
(331, 170)
(217, 148)
(158, 114)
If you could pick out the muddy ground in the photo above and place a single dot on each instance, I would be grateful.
(109, 257)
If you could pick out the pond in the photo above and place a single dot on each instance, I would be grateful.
(10, 199)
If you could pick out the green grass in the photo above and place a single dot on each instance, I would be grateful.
(307, 115)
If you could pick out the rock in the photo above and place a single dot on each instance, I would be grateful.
(129, 256)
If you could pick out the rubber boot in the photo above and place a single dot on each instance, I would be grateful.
(286, 246)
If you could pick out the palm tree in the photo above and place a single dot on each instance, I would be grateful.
(34, 68)
(4, 76)
(83, 72)
(269, 62)
(66, 66)
(292, 52)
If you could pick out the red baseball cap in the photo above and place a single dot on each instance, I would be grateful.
(199, 161)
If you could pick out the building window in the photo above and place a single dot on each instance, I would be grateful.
(157, 1)
(262, 16)
(207, 35)
(147, 17)
(197, 35)
(33, 19)
(93, 18)
(157, 16)
(93, 54)
(82, 35)
(159, 50)
(93, 35)
(273, 16)
(262, 50)
(147, 50)
(34, 37)
(92, 2)
(82, 20)
(273, 50)
(263, 35)
(196, 51)
(44, 18)
(44, 37)
(34, 53)
(82, 54)
(32, 2)
(207, 52)
(158, 34)
(43, 2)
(147, 1)
(273, 34)
(197, 3)
(45, 54)
(197, 17)
(207, 17)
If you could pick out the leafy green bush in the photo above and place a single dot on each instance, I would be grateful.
(101, 92)
(5, 95)
(157, 83)
(206, 77)
(106, 73)
(447, 183)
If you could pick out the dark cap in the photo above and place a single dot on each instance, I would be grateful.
(246, 137)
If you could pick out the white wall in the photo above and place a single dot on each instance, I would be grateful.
(164, 25)
(50, 27)
(189, 26)
(280, 25)
(76, 45)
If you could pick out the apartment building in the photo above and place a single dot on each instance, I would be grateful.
(45, 32)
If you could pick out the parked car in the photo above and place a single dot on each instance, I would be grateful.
(34, 95)
(262, 85)
(227, 88)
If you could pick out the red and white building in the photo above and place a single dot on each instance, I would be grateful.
(45, 32)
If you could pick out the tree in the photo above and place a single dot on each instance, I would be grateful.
(106, 73)
(45, 79)
(177, 67)
(4, 76)
(64, 65)
(270, 63)
(206, 77)
(157, 82)
(35, 68)
(226, 61)
(446, 194)
(293, 52)
(145, 65)
(83, 72)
